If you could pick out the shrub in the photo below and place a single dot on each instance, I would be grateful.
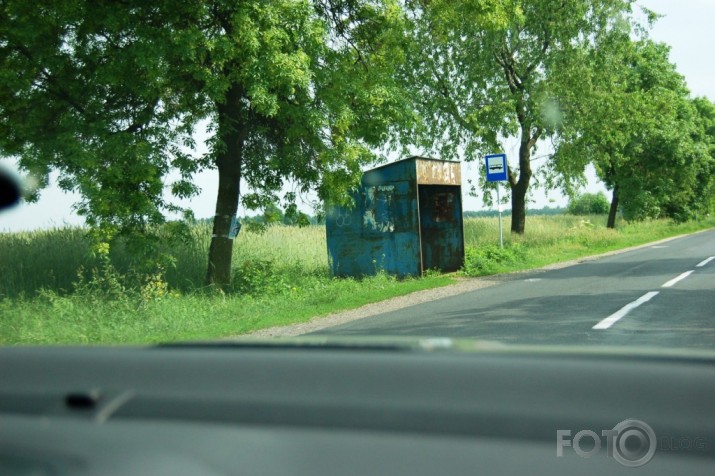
(589, 204)
(257, 277)
(488, 259)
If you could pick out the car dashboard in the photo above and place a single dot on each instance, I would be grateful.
(300, 408)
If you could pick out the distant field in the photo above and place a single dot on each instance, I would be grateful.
(281, 277)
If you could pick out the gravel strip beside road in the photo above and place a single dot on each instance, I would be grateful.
(392, 304)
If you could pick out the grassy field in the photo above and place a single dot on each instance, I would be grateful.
(53, 289)
(551, 239)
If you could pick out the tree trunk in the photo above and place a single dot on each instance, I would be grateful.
(614, 209)
(229, 158)
(518, 209)
(521, 186)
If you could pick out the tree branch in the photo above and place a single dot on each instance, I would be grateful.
(453, 109)
(51, 83)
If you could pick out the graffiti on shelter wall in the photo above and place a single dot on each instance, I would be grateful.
(379, 213)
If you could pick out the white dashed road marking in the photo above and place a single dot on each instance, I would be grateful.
(677, 278)
(616, 316)
(704, 262)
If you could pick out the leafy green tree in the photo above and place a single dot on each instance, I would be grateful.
(272, 214)
(484, 71)
(110, 94)
(705, 187)
(589, 204)
(644, 135)
(295, 217)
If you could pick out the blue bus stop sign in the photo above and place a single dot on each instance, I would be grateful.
(496, 172)
(496, 167)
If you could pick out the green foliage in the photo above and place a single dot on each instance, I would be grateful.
(503, 74)
(589, 204)
(259, 277)
(272, 214)
(646, 137)
(490, 258)
(84, 92)
(101, 283)
(705, 183)
(110, 94)
(293, 216)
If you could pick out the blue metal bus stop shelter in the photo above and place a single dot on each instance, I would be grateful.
(406, 219)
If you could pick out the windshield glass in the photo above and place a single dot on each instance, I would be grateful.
(510, 172)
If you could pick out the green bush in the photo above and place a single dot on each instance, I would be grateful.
(489, 259)
(589, 204)
(258, 277)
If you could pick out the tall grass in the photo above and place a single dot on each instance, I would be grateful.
(50, 259)
(44, 259)
(540, 230)
(52, 319)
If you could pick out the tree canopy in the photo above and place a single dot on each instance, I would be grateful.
(480, 82)
(110, 93)
(645, 136)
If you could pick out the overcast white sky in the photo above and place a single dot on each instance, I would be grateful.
(687, 26)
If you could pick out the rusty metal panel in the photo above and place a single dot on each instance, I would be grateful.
(343, 228)
(441, 227)
(379, 233)
(389, 208)
(379, 212)
(402, 170)
(438, 172)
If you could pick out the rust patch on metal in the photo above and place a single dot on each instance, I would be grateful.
(434, 172)
(441, 231)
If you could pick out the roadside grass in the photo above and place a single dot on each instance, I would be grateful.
(553, 239)
(281, 278)
(76, 319)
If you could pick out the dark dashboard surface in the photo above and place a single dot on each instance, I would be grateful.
(291, 410)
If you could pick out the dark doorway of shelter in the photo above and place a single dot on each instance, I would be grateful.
(441, 230)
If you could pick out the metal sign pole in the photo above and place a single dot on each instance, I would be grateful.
(501, 234)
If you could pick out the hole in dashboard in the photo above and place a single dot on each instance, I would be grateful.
(82, 400)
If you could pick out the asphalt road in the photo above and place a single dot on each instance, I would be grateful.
(643, 297)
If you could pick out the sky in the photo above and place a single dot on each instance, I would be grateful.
(686, 26)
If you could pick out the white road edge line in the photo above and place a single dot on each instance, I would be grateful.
(616, 316)
(677, 278)
(704, 262)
